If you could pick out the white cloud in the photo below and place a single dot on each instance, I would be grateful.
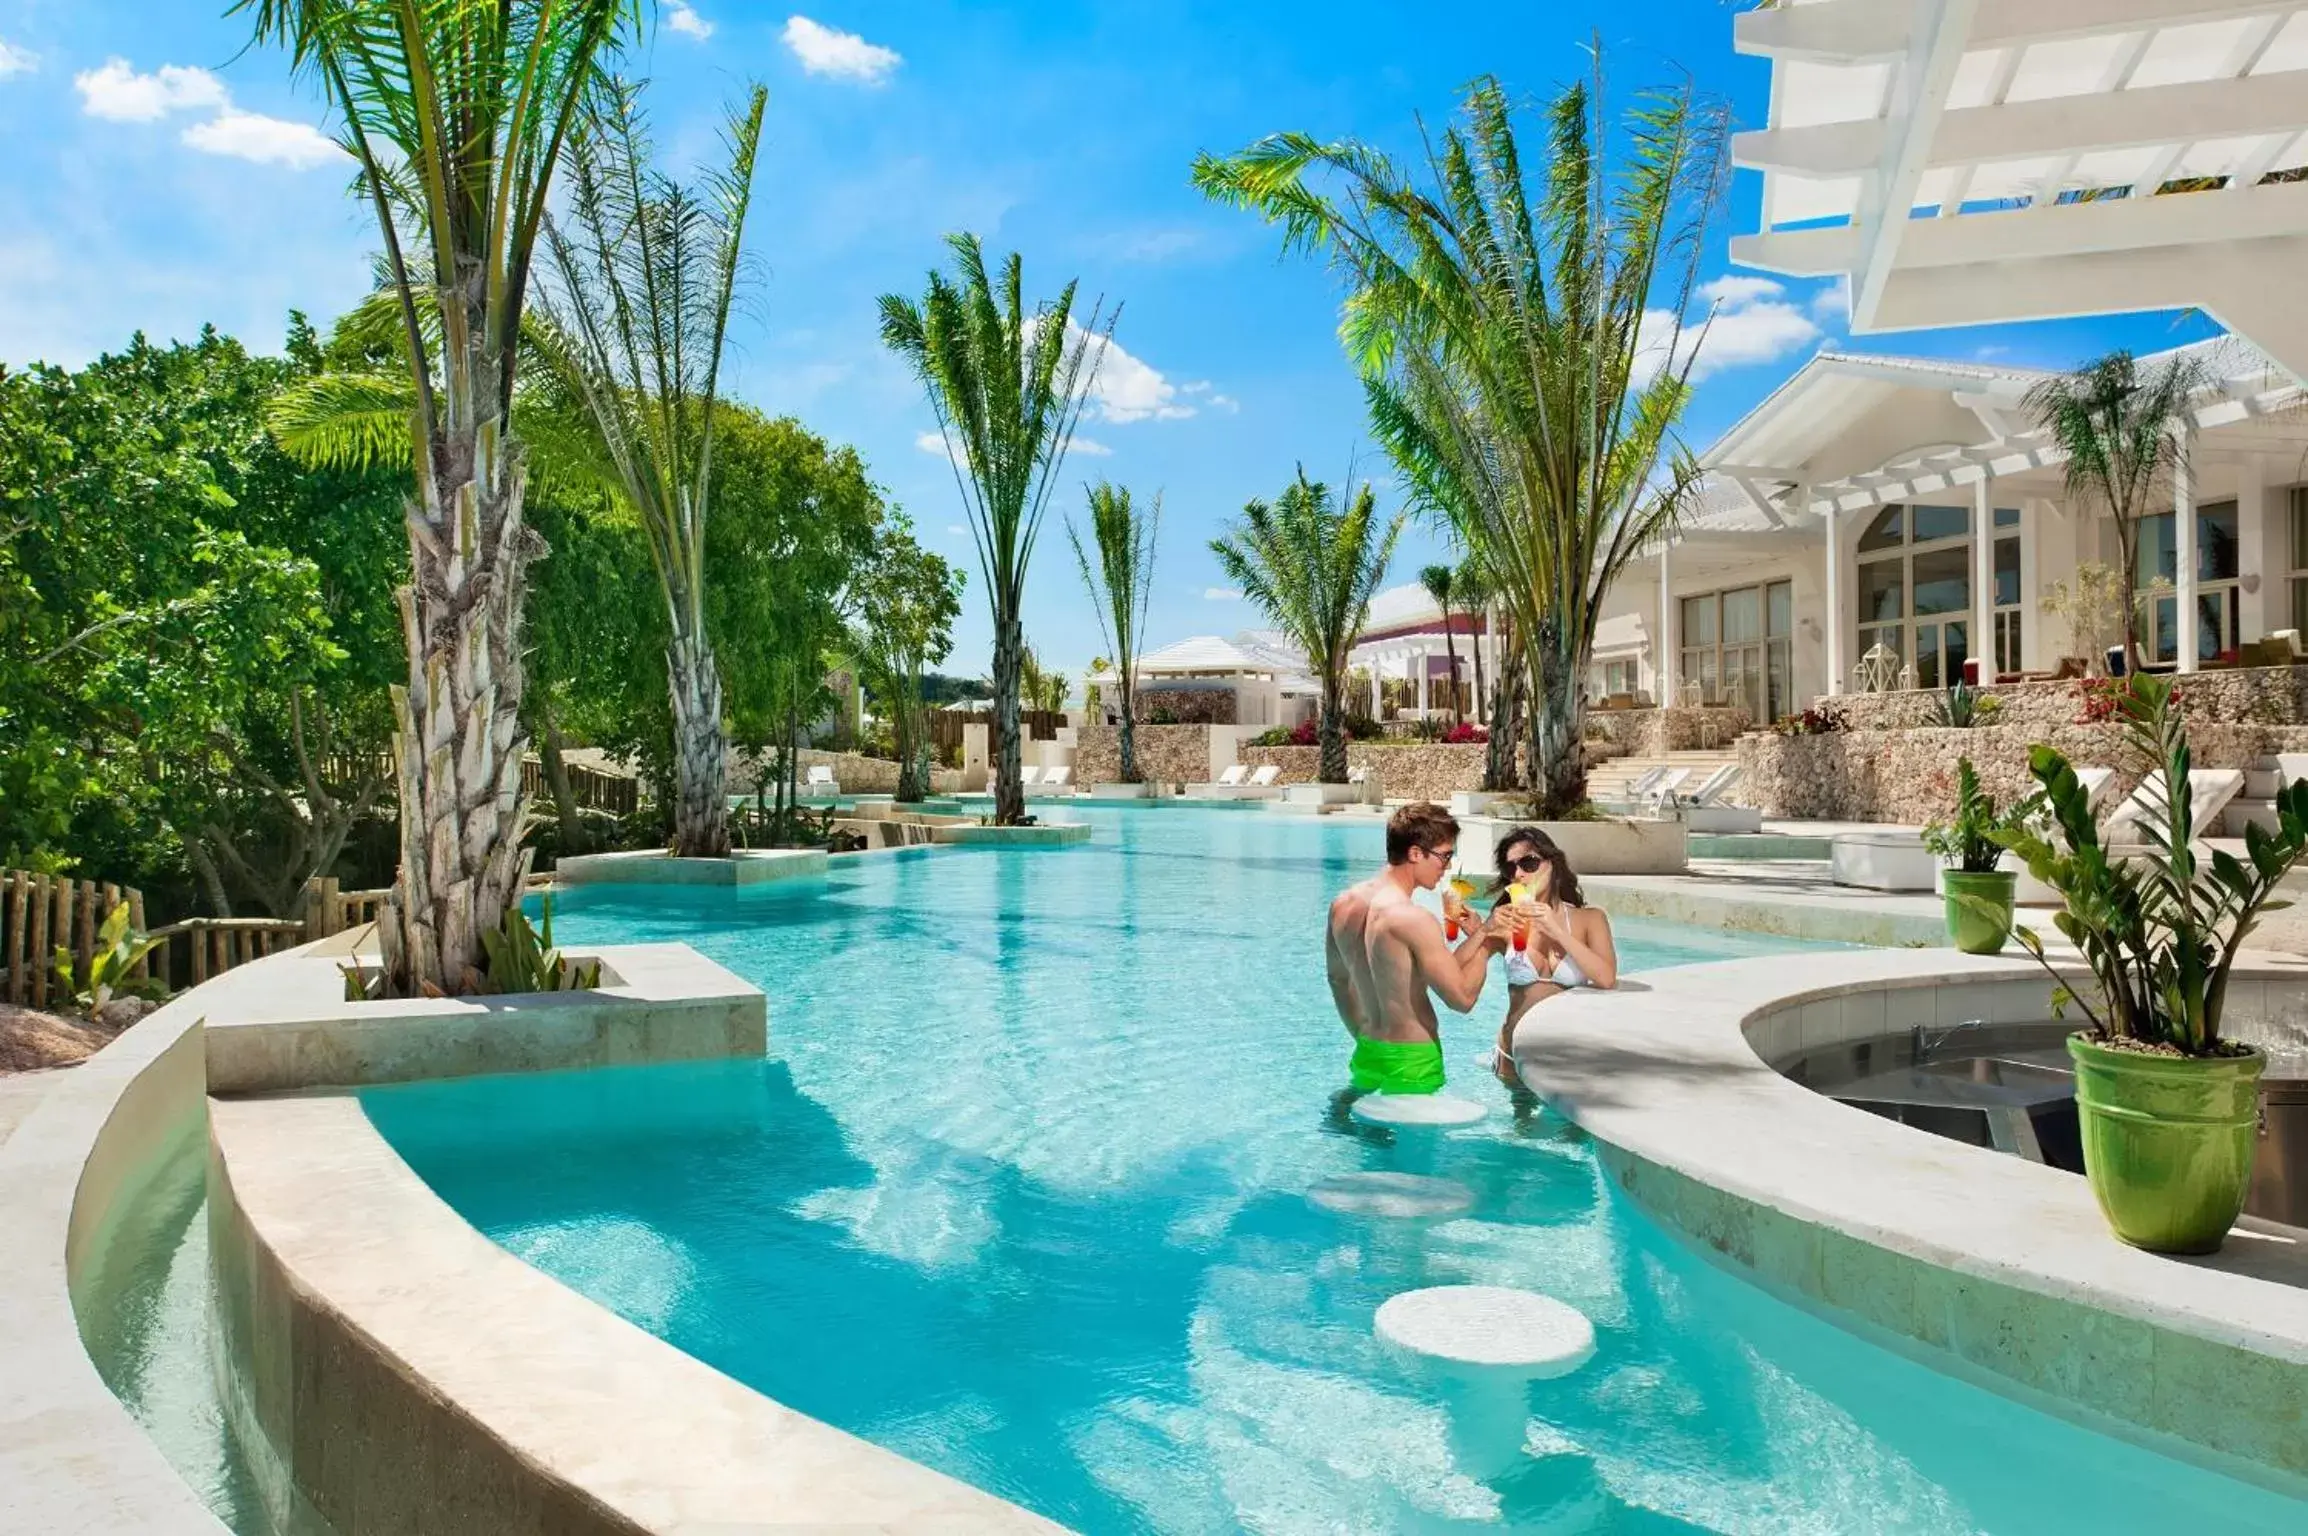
(682, 17)
(1750, 322)
(1734, 290)
(1221, 595)
(1226, 403)
(1832, 304)
(15, 60)
(843, 55)
(117, 92)
(1092, 447)
(265, 140)
(958, 530)
(1127, 389)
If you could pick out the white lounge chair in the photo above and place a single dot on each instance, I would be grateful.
(1643, 783)
(1265, 777)
(1238, 782)
(2209, 791)
(1030, 775)
(820, 781)
(1705, 810)
(1233, 776)
(1054, 781)
(1662, 791)
(1716, 786)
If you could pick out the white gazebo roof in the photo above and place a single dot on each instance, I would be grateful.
(1208, 654)
(1973, 161)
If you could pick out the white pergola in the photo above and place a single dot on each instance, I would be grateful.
(1974, 161)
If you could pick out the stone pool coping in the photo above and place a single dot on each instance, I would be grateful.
(1984, 1264)
(498, 1398)
(655, 866)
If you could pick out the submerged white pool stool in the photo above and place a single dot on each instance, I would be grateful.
(1416, 1111)
(1488, 1343)
(1403, 1195)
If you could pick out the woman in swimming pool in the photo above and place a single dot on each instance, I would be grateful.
(1570, 942)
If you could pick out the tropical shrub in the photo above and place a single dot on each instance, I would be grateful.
(1817, 720)
(1966, 841)
(1465, 733)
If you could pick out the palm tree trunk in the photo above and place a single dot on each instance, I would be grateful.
(458, 744)
(557, 781)
(2129, 571)
(1333, 731)
(1129, 733)
(906, 725)
(1506, 719)
(1475, 644)
(1558, 756)
(701, 750)
(1451, 650)
(1009, 665)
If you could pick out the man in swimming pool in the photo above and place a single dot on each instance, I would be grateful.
(1386, 954)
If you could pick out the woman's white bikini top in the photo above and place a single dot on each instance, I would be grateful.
(1522, 971)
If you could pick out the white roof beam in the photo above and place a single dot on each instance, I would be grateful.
(1756, 498)
(1990, 411)
(2155, 114)
(1871, 31)
(1918, 94)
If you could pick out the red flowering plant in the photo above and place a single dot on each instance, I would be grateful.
(1465, 733)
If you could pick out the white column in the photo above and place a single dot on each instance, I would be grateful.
(1982, 645)
(2261, 552)
(2034, 654)
(1424, 668)
(1666, 645)
(1834, 602)
(2184, 540)
(1377, 685)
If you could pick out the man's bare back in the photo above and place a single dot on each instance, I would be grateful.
(1386, 954)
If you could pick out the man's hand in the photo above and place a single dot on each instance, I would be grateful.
(1504, 922)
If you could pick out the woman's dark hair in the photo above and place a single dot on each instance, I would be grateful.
(1562, 880)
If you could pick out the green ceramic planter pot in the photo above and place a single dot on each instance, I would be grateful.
(1972, 931)
(2168, 1142)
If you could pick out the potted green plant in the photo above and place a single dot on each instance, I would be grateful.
(1977, 893)
(2168, 1109)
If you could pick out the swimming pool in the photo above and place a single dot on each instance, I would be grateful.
(1021, 1192)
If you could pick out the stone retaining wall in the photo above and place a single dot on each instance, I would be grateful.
(1428, 771)
(2247, 695)
(1650, 732)
(1188, 706)
(1908, 776)
(1173, 754)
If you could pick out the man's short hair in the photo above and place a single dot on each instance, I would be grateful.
(1421, 824)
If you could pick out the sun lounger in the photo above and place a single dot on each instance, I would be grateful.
(1265, 777)
(2209, 791)
(1717, 785)
(1030, 775)
(1643, 783)
(1705, 809)
(1238, 782)
(820, 781)
(1233, 776)
(1662, 792)
(1054, 781)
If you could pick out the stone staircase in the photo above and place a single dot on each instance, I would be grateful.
(1608, 781)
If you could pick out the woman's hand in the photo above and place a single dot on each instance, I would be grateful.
(1548, 921)
(1505, 921)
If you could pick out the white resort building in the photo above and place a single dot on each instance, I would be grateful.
(1910, 510)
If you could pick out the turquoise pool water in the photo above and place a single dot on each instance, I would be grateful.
(1021, 1192)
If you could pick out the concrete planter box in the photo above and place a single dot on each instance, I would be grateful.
(1139, 791)
(1890, 860)
(1594, 847)
(1327, 794)
(1478, 802)
(1717, 819)
(1048, 835)
(651, 866)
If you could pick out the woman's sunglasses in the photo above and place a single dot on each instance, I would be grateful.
(1529, 864)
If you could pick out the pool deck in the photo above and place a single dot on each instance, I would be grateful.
(1977, 1262)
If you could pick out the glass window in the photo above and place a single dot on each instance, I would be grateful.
(2216, 550)
(2155, 557)
(2007, 573)
(1699, 620)
(1887, 531)
(1942, 582)
(1940, 523)
(2007, 517)
(1780, 599)
(1882, 590)
(1742, 615)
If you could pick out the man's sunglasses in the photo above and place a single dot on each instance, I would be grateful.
(1443, 854)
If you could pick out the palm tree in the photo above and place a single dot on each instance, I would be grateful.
(1441, 582)
(906, 600)
(1008, 389)
(456, 113)
(646, 271)
(1519, 315)
(1313, 566)
(1121, 583)
(2115, 420)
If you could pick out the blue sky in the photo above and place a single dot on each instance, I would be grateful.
(162, 176)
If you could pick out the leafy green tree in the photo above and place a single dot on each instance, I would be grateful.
(646, 273)
(906, 600)
(457, 113)
(2114, 419)
(1121, 583)
(1441, 583)
(1519, 313)
(1008, 389)
(1313, 564)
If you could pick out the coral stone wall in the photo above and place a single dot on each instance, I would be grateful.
(1172, 754)
(1188, 706)
(2243, 695)
(1427, 771)
(1649, 732)
(1908, 776)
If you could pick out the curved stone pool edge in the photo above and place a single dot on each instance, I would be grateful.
(440, 1348)
(1978, 1263)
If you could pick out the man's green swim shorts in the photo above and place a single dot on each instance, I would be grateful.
(1397, 1066)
